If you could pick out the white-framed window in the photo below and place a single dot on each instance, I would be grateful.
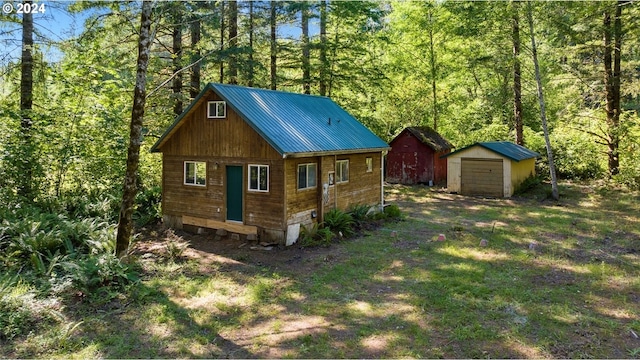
(195, 173)
(216, 109)
(307, 176)
(259, 178)
(369, 162)
(342, 171)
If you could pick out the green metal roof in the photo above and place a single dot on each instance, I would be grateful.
(294, 124)
(507, 149)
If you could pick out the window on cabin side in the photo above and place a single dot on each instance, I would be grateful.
(216, 109)
(342, 171)
(259, 178)
(195, 173)
(369, 162)
(306, 176)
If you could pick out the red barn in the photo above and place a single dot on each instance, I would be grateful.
(415, 157)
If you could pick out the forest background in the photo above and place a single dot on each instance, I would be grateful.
(464, 68)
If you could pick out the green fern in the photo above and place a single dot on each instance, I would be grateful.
(339, 222)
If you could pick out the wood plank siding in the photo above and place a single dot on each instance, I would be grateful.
(363, 187)
(219, 143)
(230, 147)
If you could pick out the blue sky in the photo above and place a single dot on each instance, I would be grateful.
(56, 24)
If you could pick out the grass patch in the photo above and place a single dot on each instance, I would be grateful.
(555, 279)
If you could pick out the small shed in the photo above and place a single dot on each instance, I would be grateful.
(489, 168)
(415, 157)
(262, 163)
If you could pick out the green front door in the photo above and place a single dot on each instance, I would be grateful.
(234, 193)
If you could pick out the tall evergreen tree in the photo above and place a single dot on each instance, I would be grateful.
(517, 84)
(130, 188)
(612, 60)
(25, 187)
(306, 48)
(177, 56)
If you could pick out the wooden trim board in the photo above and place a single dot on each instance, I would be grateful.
(215, 224)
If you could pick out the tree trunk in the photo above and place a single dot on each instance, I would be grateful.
(250, 70)
(306, 61)
(432, 64)
(233, 41)
(177, 59)
(274, 48)
(194, 88)
(130, 189)
(222, 14)
(517, 85)
(25, 188)
(324, 66)
(612, 85)
(543, 114)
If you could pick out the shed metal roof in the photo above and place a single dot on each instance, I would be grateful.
(294, 124)
(507, 149)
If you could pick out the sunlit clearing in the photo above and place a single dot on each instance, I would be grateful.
(361, 307)
(276, 331)
(386, 277)
(473, 254)
(527, 351)
(377, 343)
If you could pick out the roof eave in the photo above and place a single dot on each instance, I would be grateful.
(333, 152)
(536, 156)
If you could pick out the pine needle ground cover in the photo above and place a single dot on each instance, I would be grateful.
(513, 278)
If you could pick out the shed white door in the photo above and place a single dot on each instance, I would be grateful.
(482, 177)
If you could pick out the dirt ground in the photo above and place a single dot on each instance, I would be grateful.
(227, 253)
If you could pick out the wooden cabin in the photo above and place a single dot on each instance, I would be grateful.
(262, 162)
(414, 157)
(489, 168)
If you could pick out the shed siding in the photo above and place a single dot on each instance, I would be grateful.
(230, 137)
(363, 187)
(513, 172)
(220, 142)
(259, 209)
(440, 168)
(301, 202)
(520, 171)
(410, 161)
(233, 142)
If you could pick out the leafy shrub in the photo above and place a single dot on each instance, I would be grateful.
(175, 249)
(315, 235)
(339, 222)
(574, 153)
(359, 212)
(391, 212)
(528, 184)
(148, 206)
(92, 273)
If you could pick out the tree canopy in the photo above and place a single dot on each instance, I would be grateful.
(392, 64)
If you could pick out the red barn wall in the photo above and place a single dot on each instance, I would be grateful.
(440, 168)
(411, 162)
